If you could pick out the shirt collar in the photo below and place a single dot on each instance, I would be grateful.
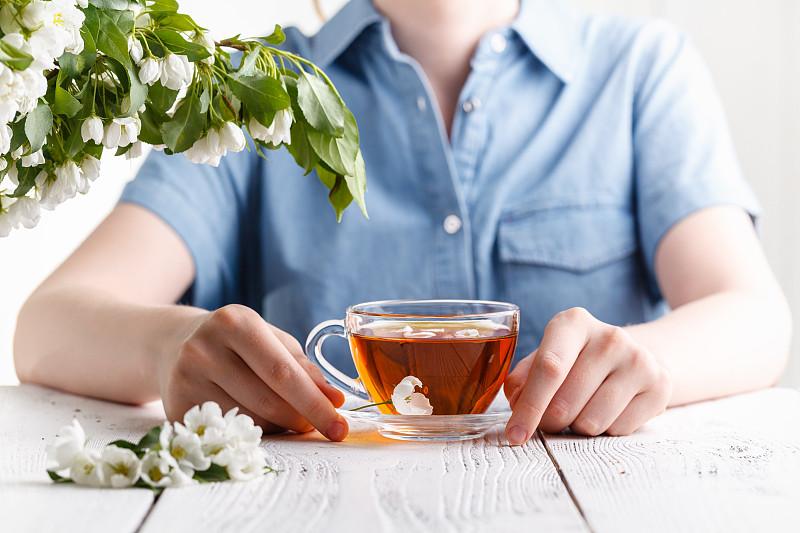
(553, 31)
(342, 30)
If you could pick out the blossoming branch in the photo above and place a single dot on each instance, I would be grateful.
(81, 76)
(208, 446)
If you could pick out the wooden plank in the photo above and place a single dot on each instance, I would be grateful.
(30, 416)
(369, 483)
(727, 465)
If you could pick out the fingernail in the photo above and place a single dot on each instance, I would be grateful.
(336, 431)
(514, 396)
(517, 435)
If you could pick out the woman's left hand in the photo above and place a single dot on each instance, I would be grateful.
(586, 375)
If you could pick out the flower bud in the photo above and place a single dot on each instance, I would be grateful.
(92, 129)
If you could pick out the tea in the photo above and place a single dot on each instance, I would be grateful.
(461, 364)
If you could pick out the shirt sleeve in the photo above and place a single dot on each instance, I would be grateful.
(211, 209)
(684, 155)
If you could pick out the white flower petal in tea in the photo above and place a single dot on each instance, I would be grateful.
(408, 402)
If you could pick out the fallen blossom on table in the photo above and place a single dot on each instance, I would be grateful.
(207, 446)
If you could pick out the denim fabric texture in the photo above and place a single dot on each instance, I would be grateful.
(578, 142)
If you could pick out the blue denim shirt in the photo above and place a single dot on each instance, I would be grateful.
(578, 142)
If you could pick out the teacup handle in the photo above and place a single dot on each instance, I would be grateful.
(314, 352)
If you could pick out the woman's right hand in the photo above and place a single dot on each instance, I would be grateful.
(233, 357)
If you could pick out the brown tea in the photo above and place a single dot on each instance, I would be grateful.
(462, 366)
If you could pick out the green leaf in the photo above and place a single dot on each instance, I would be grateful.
(123, 18)
(37, 125)
(18, 136)
(164, 5)
(325, 176)
(13, 57)
(110, 4)
(186, 126)
(125, 444)
(161, 98)
(248, 64)
(27, 179)
(90, 30)
(74, 143)
(155, 47)
(304, 155)
(111, 41)
(65, 103)
(323, 109)
(150, 132)
(340, 197)
(205, 100)
(138, 94)
(214, 473)
(339, 153)
(357, 184)
(176, 21)
(276, 37)
(150, 439)
(178, 45)
(57, 478)
(142, 484)
(261, 95)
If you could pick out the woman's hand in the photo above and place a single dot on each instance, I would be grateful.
(586, 375)
(233, 357)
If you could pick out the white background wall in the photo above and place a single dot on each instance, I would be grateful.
(752, 48)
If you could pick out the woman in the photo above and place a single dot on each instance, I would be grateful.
(577, 166)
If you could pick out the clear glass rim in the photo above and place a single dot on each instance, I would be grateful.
(505, 308)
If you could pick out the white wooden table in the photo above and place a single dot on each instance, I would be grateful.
(728, 465)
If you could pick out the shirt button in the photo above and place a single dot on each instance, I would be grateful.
(473, 104)
(498, 43)
(422, 105)
(452, 224)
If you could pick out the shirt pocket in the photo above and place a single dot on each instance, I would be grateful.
(573, 238)
(555, 258)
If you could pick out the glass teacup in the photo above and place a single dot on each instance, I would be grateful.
(460, 351)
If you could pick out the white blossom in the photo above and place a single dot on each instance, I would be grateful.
(187, 449)
(241, 429)
(121, 132)
(120, 466)
(86, 470)
(408, 402)
(207, 150)
(242, 463)
(90, 166)
(55, 28)
(176, 71)
(25, 211)
(199, 419)
(5, 139)
(149, 71)
(33, 160)
(5, 225)
(143, 21)
(277, 132)
(135, 49)
(136, 150)
(92, 129)
(232, 137)
(205, 40)
(160, 469)
(9, 94)
(67, 445)
(68, 182)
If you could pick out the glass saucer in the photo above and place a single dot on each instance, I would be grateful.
(428, 427)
